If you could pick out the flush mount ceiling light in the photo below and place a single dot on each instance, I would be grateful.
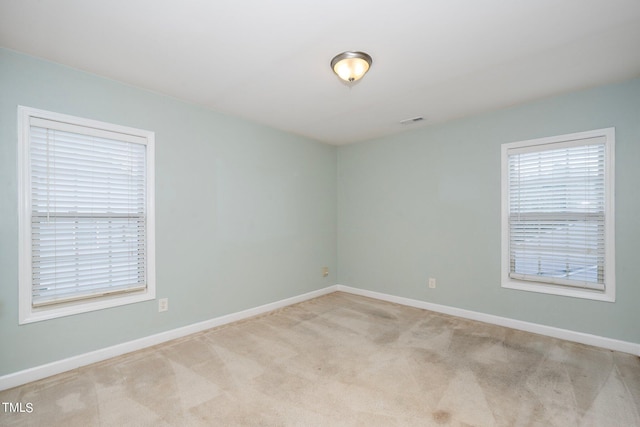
(351, 66)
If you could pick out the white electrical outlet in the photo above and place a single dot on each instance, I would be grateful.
(163, 304)
(432, 283)
(325, 271)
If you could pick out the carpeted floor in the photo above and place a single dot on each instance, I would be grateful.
(342, 359)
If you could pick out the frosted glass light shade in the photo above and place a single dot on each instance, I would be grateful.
(351, 66)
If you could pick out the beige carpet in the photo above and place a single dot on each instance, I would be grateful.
(345, 360)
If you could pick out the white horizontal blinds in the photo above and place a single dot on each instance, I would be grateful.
(557, 213)
(88, 221)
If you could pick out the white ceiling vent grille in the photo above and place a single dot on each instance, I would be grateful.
(412, 120)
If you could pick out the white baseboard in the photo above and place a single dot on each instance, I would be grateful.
(59, 366)
(565, 334)
(53, 368)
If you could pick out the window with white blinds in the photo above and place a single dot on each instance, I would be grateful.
(558, 213)
(88, 198)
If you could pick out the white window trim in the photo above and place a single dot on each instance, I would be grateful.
(26, 312)
(609, 293)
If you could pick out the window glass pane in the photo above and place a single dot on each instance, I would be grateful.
(556, 215)
(88, 198)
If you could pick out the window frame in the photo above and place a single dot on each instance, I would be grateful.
(27, 313)
(608, 294)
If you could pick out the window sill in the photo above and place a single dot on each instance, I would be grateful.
(30, 315)
(607, 296)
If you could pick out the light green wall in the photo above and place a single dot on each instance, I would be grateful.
(427, 204)
(246, 215)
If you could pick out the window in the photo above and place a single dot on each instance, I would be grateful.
(86, 215)
(557, 215)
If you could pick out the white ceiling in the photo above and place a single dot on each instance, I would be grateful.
(268, 61)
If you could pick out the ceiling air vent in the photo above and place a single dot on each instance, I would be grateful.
(411, 121)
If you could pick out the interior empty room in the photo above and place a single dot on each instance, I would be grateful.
(327, 213)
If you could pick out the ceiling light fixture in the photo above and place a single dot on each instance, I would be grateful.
(351, 66)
